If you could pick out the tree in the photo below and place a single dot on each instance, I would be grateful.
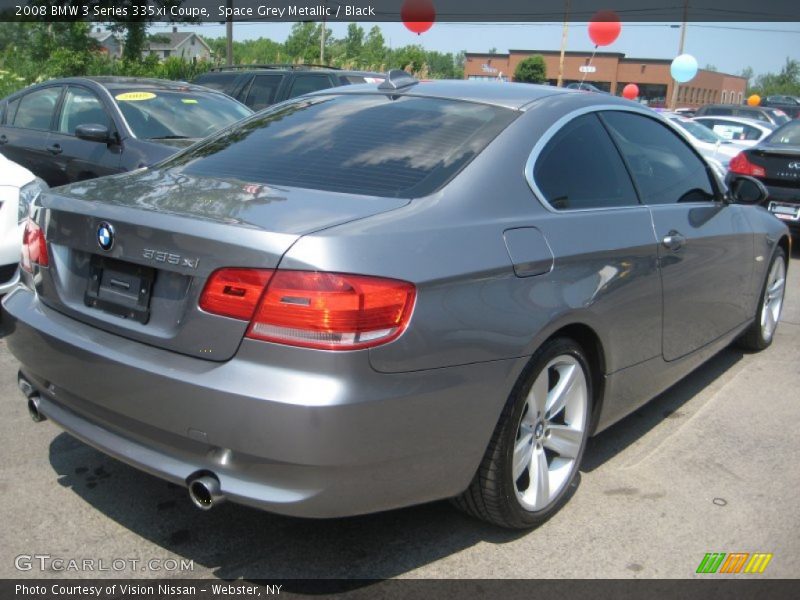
(354, 42)
(303, 42)
(531, 70)
(710, 67)
(375, 48)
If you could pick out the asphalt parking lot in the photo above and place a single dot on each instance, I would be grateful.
(709, 466)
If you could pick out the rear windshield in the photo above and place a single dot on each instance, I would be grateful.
(788, 135)
(157, 114)
(377, 145)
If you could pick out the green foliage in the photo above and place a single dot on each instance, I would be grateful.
(787, 81)
(531, 70)
(34, 52)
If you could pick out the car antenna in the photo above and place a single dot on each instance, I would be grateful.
(397, 79)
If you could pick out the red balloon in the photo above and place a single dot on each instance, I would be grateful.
(604, 27)
(630, 91)
(418, 15)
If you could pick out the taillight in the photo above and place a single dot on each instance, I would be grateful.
(234, 292)
(332, 311)
(329, 311)
(741, 164)
(34, 247)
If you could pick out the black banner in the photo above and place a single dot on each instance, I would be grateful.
(707, 588)
(398, 10)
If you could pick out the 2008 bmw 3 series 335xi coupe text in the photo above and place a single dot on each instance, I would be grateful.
(372, 297)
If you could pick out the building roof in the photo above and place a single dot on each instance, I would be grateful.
(176, 38)
(101, 36)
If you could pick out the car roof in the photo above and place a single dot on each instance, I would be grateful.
(504, 94)
(111, 82)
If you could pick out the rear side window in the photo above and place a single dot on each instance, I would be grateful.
(36, 109)
(665, 168)
(580, 168)
(305, 84)
(222, 82)
(262, 91)
(359, 144)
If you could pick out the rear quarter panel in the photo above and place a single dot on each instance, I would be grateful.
(470, 306)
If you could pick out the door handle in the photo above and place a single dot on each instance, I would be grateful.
(674, 241)
(3, 140)
(54, 149)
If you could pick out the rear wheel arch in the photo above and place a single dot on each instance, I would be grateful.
(588, 339)
(786, 244)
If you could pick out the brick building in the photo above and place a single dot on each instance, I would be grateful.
(611, 71)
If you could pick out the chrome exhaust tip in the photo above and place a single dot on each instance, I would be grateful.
(205, 492)
(33, 409)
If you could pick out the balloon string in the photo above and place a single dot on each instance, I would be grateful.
(588, 65)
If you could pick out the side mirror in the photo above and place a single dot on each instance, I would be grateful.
(747, 190)
(93, 132)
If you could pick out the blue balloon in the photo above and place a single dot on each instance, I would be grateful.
(683, 68)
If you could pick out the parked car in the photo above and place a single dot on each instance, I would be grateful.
(585, 87)
(744, 132)
(713, 147)
(775, 161)
(18, 188)
(685, 112)
(788, 104)
(376, 296)
(760, 113)
(66, 130)
(260, 86)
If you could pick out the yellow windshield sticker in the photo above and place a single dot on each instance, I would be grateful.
(135, 96)
(188, 100)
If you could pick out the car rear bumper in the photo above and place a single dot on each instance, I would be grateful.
(306, 433)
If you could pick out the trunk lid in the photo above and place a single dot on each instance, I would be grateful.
(781, 163)
(170, 232)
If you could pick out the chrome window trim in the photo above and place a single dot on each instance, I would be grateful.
(556, 127)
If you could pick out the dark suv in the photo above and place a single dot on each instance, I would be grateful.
(788, 104)
(259, 86)
(775, 116)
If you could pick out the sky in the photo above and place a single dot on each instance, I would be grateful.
(728, 46)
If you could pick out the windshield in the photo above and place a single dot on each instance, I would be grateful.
(378, 145)
(159, 114)
(788, 135)
(699, 131)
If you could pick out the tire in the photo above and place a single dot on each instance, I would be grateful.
(762, 331)
(504, 490)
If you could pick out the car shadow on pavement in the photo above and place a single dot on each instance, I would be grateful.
(666, 405)
(234, 541)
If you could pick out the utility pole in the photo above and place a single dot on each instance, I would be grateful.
(674, 100)
(229, 35)
(564, 31)
(322, 35)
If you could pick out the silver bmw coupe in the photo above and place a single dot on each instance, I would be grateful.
(373, 297)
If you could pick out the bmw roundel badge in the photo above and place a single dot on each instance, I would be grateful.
(105, 235)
